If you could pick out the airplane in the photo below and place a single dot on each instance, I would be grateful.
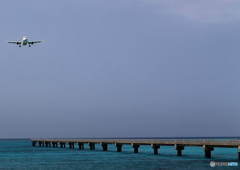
(24, 42)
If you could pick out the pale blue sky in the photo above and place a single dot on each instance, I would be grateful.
(122, 68)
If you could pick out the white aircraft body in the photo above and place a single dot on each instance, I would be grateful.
(24, 42)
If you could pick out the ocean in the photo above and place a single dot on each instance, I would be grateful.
(20, 154)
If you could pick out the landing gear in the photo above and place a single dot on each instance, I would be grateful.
(29, 45)
(19, 45)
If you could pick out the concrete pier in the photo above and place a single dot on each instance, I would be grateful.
(92, 146)
(47, 144)
(71, 145)
(155, 148)
(104, 146)
(41, 144)
(179, 149)
(207, 150)
(238, 152)
(81, 145)
(119, 147)
(55, 144)
(178, 144)
(62, 144)
(34, 143)
(135, 146)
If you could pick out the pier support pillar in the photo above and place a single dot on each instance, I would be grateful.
(41, 144)
(238, 152)
(104, 146)
(207, 150)
(34, 143)
(47, 144)
(155, 148)
(135, 146)
(62, 145)
(71, 145)
(55, 144)
(92, 146)
(119, 147)
(81, 145)
(179, 149)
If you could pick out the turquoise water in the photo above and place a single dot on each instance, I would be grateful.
(19, 154)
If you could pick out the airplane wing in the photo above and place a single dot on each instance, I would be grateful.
(33, 42)
(14, 42)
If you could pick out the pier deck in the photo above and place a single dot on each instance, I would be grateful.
(208, 145)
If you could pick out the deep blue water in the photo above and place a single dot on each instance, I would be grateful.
(19, 154)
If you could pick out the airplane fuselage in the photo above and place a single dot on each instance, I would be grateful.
(24, 40)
